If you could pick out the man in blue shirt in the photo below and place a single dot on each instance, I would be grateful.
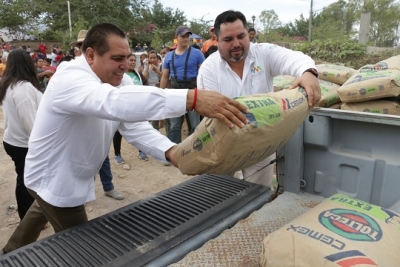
(180, 70)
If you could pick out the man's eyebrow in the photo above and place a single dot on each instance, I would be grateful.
(119, 56)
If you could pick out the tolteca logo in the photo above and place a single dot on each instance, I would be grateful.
(350, 258)
(351, 224)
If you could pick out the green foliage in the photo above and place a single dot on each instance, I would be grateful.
(344, 52)
(331, 50)
(157, 43)
(17, 15)
(270, 20)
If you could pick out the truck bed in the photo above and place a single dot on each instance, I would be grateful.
(241, 245)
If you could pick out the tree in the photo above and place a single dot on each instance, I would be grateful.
(157, 19)
(297, 28)
(201, 27)
(385, 19)
(16, 16)
(270, 20)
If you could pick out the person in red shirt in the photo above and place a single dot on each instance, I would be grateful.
(42, 48)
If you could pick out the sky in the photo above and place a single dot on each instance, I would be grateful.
(287, 10)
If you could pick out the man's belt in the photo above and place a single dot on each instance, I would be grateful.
(183, 84)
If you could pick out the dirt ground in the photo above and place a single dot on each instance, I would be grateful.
(143, 179)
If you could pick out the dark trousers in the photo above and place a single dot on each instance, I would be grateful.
(117, 143)
(24, 199)
(36, 218)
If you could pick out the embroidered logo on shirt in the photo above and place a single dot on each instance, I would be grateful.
(256, 69)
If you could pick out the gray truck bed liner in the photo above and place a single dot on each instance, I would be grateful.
(151, 232)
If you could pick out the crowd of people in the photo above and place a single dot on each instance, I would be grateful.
(58, 129)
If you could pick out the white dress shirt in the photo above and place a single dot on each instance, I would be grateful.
(263, 62)
(75, 124)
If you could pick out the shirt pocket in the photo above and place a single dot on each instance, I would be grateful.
(259, 83)
(84, 175)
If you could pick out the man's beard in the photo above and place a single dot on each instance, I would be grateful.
(237, 58)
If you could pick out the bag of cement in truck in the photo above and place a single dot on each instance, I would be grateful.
(389, 106)
(341, 231)
(335, 73)
(390, 63)
(336, 105)
(329, 94)
(370, 85)
(215, 149)
(282, 82)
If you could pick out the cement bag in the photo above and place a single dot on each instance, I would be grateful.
(370, 85)
(341, 231)
(383, 106)
(336, 105)
(335, 73)
(215, 149)
(390, 63)
(282, 82)
(329, 94)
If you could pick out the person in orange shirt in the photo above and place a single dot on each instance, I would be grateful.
(210, 42)
(3, 65)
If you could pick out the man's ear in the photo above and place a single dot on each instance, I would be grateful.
(90, 55)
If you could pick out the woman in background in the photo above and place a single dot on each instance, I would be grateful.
(138, 79)
(20, 95)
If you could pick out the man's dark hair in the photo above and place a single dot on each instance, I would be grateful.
(96, 37)
(228, 17)
(252, 30)
(20, 67)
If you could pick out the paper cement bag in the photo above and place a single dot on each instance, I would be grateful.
(370, 85)
(336, 105)
(390, 63)
(341, 231)
(215, 149)
(282, 82)
(329, 94)
(335, 73)
(384, 106)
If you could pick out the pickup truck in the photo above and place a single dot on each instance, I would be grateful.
(213, 220)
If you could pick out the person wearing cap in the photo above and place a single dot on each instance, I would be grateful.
(210, 42)
(77, 119)
(240, 68)
(181, 67)
(105, 170)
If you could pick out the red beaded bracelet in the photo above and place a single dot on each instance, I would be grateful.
(194, 99)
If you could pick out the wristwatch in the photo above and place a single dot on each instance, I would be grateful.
(312, 71)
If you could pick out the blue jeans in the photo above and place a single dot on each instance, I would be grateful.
(176, 126)
(106, 175)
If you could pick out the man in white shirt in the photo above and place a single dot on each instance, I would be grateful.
(242, 68)
(77, 119)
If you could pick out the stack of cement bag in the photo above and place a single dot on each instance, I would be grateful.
(331, 77)
(374, 88)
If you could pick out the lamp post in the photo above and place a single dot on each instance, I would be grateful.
(253, 18)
